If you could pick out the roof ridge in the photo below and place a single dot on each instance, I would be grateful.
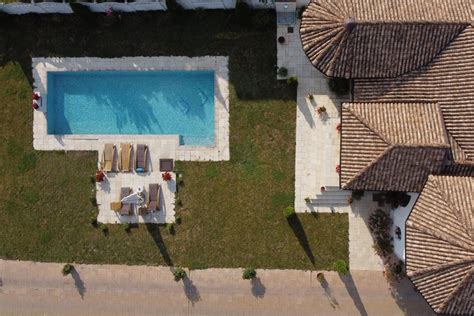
(366, 123)
(449, 202)
(440, 267)
(451, 296)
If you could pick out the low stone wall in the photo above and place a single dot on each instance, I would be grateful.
(42, 7)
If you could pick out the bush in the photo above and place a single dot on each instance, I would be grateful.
(320, 277)
(289, 211)
(341, 267)
(249, 273)
(104, 228)
(357, 194)
(282, 72)
(67, 269)
(379, 225)
(179, 274)
(339, 86)
(307, 200)
(292, 82)
(84, 13)
(170, 228)
(93, 221)
(178, 219)
(396, 199)
(243, 13)
(127, 227)
(174, 6)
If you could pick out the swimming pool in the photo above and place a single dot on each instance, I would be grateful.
(133, 102)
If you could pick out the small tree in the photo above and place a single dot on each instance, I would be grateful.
(249, 273)
(341, 267)
(179, 274)
(67, 269)
(289, 211)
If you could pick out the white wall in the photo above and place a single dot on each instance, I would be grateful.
(399, 217)
(42, 7)
(126, 7)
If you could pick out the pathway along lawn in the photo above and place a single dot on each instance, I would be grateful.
(231, 211)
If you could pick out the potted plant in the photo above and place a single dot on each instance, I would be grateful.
(307, 200)
(339, 128)
(99, 176)
(166, 176)
(281, 39)
(338, 168)
(292, 81)
(320, 277)
(321, 110)
(310, 97)
(323, 188)
(289, 212)
(67, 269)
(179, 274)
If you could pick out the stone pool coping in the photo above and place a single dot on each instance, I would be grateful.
(219, 64)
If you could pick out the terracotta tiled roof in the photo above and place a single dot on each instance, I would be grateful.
(440, 244)
(447, 80)
(379, 38)
(391, 146)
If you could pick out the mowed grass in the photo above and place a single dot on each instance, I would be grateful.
(231, 211)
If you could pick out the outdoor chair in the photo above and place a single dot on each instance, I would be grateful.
(126, 209)
(125, 157)
(154, 201)
(108, 157)
(141, 158)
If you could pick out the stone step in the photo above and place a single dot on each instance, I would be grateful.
(329, 202)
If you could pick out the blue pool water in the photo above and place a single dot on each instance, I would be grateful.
(133, 102)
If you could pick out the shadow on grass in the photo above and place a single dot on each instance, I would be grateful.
(258, 289)
(155, 233)
(354, 294)
(191, 291)
(328, 293)
(78, 283)
(299, 232)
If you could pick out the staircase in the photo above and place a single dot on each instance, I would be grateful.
(332, 196)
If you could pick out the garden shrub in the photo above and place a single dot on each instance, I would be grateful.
(357, 194)
(104, 228)
(243, 13)
(170, 228)
(341, 267)
(339, 86)
(67, 269)
(292, 82)
(179, 274)
(289, 211)
(93, 221)
(396, 199)
(320, 277)
(174, 6)
(249, 273)
(379, 225)
(127, 227)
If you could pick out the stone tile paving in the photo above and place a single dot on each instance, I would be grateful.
(317, 140)
(318, 149)
(29, 288)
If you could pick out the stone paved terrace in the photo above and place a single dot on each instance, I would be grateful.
(28, 288)
(109, 190)
(317, 153)
(317, 140)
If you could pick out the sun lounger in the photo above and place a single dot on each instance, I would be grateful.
(126, 209)
(125, 157)
(154, 201)
(141, 158)
(108, 158)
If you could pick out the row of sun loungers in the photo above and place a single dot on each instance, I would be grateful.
(125, 158)
(153, 199)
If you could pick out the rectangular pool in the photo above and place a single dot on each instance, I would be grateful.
(133, 102)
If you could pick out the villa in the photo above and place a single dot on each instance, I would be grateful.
(409, 126)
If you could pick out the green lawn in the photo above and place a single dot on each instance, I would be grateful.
(231, 212)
